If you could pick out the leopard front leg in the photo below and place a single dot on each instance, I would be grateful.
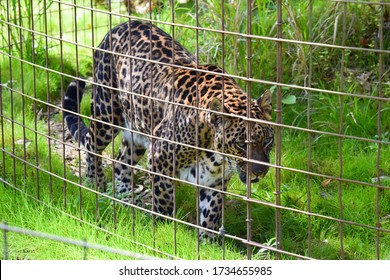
(163, 195)
(94, 172)
(210, 211)
(160, 162)
(132, 150)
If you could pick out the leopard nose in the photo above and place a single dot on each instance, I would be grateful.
(259, 170)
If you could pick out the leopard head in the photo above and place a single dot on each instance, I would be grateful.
(244, 139)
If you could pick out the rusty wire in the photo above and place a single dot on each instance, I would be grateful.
(278, 132)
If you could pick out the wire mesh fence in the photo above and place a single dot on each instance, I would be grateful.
(313, 171)
(83, 244)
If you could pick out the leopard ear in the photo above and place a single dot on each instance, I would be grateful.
(216, 105)
(265, 103)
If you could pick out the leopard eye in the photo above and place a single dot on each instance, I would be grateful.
(267, 144)
(241, 144)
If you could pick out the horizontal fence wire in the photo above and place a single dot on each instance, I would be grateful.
(84, 244)
(69, 37)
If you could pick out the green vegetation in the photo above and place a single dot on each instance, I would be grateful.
(26, 72)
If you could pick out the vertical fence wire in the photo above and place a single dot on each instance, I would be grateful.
(62, 87)
(341, 129)
(152, 139)
(223, 51)
(94, 90)
(131, 61)
(379, 129)
(197, 189)
(248, 124)
(131, 124)
(33, 60)
(24, 140)
(48, 98)
(309, 135)
(112, 129)
(80, 202)
(278, 133)
(175, 130)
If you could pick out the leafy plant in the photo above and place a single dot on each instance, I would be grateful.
(22, 14)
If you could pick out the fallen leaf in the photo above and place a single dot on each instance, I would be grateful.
(326, 182)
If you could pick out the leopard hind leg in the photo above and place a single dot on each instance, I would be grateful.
(105, 126)
(100, 133)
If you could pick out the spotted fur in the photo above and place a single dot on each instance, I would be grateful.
(132, 92)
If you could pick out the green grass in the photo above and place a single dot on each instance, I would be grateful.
(359, 118)
(47, 219)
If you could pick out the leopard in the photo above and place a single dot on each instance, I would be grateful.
(197, 124)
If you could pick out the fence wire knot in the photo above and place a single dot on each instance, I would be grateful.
(222, 231)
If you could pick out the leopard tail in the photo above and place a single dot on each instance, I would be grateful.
(71, 102)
